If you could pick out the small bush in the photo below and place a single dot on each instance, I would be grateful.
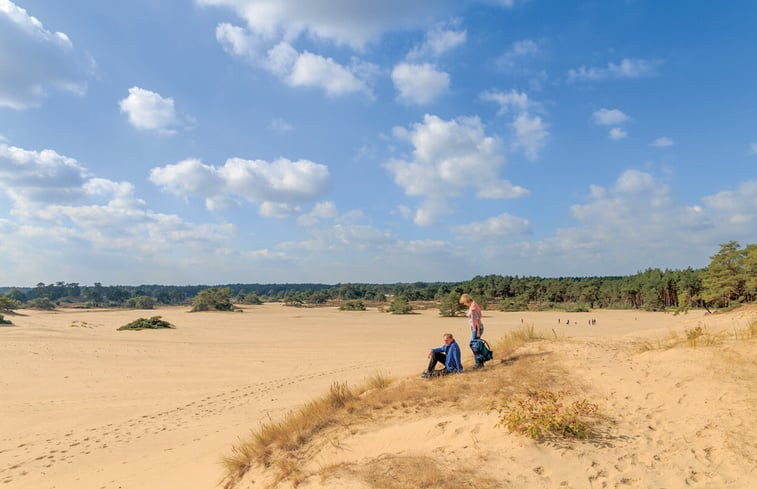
(42, 303)
(293, 302)
(141, 302)
(4, 321)
(251, 299)
(450, 305)
(153, 323)
(213, 299)
(354, 305)
(540, 414)
(400, 305)
(8, 303)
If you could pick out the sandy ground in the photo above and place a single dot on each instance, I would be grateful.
(85, 406)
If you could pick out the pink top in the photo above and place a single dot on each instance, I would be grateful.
(474, 315)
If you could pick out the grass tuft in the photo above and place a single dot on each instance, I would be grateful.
(517, 338)
(543, 413)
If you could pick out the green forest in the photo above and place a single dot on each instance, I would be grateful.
(729, 279)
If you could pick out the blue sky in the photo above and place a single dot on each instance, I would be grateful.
(217, 141)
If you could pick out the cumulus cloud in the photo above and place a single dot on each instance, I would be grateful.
(419, 84)
(449, 158)
(637, 223)
(148, 110)
(35, 60)
(313, 70)
(531, 134)
(278, 186)
(62, 214)
(617, 133)
(437, 42)
(512, 101)
(497, 227)
(609, 117)
(627, 68)
(321, 211)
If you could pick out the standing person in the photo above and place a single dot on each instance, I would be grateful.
(476, 327)
(448, 354)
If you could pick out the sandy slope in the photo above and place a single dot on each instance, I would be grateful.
(82, 405)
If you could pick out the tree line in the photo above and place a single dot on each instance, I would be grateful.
(730, 278)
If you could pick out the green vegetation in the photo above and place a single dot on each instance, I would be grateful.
(213, 299)
(4, 321)
(250, 299)
(353, 305)
(41, 303)
(543, 413)
(729, 280)
(8, 304)
(450, 305)
(400, 305)
(141, 302)
(153, 323)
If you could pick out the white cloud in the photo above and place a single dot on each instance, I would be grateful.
(63, 216)
(662, 142)
(531, 134)
(609, 117)
(313, 70)
(437, 42)
(34, 60)
(419, 83)
(280, 125)
(512, 101)
(321, 211)
(450, 157)
(518, 52)
(627, 68)
(617, 133)
(497, 227)
(342, 22)
(148, 110)
(277, 186)
(739, 205)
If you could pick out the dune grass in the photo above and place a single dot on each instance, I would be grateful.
(283, 447)
(697, 337)
(515, 339)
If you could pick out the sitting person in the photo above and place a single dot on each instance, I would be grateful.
(447, 354)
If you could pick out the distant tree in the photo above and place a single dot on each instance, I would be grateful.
(42, 303)
(514, 304)
(251, 299)
(400, 305)
(141, 302)
(450, 305)
(8, 304)
(723, 277)
(16, 294)
(353, 305)
(750, 272)
(213, 299)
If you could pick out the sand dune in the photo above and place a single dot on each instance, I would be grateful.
(86, 406)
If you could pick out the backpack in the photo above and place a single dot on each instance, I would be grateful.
(481, 349)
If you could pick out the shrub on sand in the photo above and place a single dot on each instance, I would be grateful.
(353, 305)
(541, 414)
(3, 320)
(400, 305)
(213, 299)
(153, 323)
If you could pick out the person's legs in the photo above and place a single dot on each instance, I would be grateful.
(438, 357)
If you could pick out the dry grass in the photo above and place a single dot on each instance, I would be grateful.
(515, 339)
(282, 448)
(410, 472)
(699, 336)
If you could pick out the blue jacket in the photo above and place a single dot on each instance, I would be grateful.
(453, 362)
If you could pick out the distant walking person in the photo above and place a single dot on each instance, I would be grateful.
(476, 327)
(448, 355)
